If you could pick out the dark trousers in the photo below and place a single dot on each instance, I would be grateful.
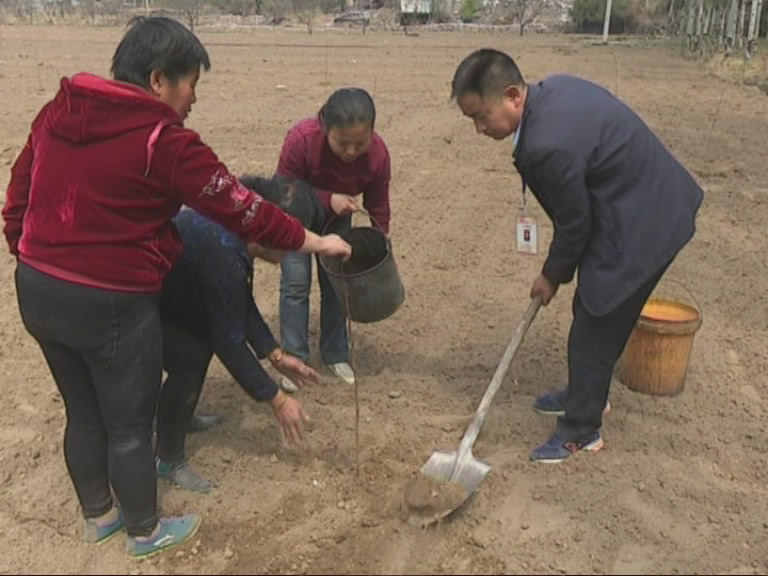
(104, 350)
(185, 358)
(595, 344)
(187, 352)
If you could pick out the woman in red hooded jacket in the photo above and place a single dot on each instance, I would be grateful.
(88, 214)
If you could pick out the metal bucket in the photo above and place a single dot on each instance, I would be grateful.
(368, 284)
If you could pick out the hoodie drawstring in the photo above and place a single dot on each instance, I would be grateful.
(152, 142)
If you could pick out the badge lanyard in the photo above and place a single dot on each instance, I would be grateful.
(527, 237)
(525, 197)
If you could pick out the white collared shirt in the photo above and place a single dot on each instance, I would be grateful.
(515, 139)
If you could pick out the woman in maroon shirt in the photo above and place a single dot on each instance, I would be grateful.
(342, 157)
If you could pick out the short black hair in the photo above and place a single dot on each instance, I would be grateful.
(347, 107)
(157, 43)
(294, 196)
(485, 72)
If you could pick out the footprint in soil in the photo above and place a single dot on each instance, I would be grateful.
(336, 458)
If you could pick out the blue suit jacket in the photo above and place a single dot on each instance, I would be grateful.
(622, 206)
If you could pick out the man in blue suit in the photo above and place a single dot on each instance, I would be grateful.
(621, 205)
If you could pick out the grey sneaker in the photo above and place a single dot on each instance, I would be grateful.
(343, 371)
(287, 385)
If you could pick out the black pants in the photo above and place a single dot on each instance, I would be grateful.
(104, 350)
(187, 352)
(595, 344)
(185, 358)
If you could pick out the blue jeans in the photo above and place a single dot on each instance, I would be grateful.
(295, 285)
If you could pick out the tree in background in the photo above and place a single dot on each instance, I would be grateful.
(706, 26)
(524, 12)
(243, 8)
(305, 11)
(469, 11)
(189, 10)
(587, 15)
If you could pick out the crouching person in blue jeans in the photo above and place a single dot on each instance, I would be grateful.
(622, 208)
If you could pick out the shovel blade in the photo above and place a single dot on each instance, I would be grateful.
(469, 476)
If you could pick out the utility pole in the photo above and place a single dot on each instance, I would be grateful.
(607, 21)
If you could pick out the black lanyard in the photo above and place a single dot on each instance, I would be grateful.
(525, 198)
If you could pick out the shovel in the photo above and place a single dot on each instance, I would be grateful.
(461, 467)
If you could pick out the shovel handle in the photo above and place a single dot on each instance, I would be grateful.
(501, 371)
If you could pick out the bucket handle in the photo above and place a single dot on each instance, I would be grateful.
(690, 293)
(362, 211)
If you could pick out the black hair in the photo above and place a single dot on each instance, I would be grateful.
(157, 43)
(346, 107)
(296, 197)
(485, 72)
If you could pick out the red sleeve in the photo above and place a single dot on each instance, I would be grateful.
(294, 163)
(17, 197)
(376, 199)
(202, 181)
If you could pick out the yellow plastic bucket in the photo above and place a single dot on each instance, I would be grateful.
(656, 357)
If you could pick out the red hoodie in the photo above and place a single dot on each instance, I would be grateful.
(105, 168)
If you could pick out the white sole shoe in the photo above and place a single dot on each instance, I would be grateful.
(343, 371)
(287, 385)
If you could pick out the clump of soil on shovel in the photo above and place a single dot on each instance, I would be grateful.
(428, 498)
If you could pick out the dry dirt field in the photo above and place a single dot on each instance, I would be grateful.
(682, 483)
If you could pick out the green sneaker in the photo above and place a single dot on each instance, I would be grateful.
(181, 475)
(173, 531)
(96, 534)
(203, 422)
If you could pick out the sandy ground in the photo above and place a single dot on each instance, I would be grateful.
(681, 484)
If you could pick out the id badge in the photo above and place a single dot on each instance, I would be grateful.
(527, 237)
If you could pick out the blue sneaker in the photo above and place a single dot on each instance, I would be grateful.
(173, 531)
(557, 448)
(553, 404)
(94, 533)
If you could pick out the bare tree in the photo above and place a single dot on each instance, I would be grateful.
(730, 26)
(722, 25)
(190, 10)
(305, 11)
(50, 9)
(753, 30)
(55, 8)
(65, 7)
(275, 10)
(89, 8)
(523, 11)
(13, 8)
(740, 22)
